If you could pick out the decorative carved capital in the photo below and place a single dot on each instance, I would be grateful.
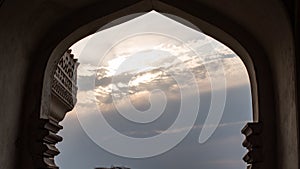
(64, 80)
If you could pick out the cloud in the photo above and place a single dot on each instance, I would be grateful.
(159, 57)
(86, 69)
(154, 53)
(170, 78)
(152, 132)
(197, 127)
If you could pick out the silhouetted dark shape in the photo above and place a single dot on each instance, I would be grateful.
(112, 167)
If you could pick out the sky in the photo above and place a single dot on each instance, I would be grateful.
(149, 90)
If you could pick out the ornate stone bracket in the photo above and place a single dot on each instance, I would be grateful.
(63, 100)
(253, 143)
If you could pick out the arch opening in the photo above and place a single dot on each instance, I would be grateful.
(143, 79)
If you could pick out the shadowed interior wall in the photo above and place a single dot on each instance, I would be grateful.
(32, 31)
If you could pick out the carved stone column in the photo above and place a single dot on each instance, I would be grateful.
(63, 99)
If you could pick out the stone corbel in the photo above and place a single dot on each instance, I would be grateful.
(63, 100)
(253, 143)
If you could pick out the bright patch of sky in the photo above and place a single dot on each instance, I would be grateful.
(124, 64)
